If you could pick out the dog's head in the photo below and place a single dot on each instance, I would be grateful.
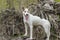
(26, 13)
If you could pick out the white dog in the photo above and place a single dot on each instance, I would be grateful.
(35, 20)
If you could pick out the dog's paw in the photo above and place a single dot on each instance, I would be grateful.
(25, 35)
(30, 38)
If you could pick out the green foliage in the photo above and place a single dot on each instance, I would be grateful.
(16, 3)
(57, 0)
(3, 3)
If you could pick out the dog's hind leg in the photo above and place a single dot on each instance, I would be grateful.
(47, 31)
(48, 35)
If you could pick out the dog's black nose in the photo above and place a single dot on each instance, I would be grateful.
(26, 14)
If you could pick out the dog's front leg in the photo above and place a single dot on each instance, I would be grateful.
(31, 31)
(25, 29)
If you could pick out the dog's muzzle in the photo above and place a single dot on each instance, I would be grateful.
(26, 16)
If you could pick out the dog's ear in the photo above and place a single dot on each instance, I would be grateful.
(22, 8)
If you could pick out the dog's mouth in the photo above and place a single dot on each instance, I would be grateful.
(26, 16)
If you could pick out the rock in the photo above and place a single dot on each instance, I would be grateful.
(57, 8)
(58, 11)
(17, 38)
(57, 4)
(47, 7)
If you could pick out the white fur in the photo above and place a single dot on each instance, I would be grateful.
(35, 20)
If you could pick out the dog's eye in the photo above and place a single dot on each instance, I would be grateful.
(25, 11)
